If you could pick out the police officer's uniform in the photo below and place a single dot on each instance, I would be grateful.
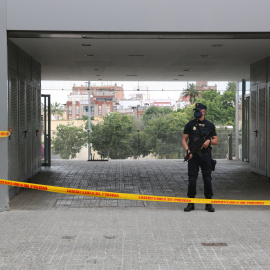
(200, 130)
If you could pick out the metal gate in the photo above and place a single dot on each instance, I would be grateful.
(46, 130)
(245, 129)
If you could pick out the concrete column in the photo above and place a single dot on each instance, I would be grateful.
(244, 131)
(237, 121)
(4, 196)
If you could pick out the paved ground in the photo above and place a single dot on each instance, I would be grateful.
(51, 231)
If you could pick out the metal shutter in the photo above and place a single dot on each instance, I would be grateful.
(253, 139)
(22, 129)
(36, 139)
(13, 161)
(29, 128)
(34, 128)
(268, 130)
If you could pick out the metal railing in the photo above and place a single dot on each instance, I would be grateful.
(136, 144)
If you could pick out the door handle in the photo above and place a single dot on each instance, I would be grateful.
(256, 131)
(25, 132)
(37, 131)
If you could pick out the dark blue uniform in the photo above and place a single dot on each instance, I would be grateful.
(197, 130)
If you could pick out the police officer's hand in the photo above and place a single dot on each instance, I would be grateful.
(206, 144)
(190, 155)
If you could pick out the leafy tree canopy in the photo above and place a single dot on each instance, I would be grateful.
(163, 134)
(160, 130)
(154, 112)
(220, 107)
(112, 138)
(57, 108)
(85, 118)
(191, 92)
(69, 140)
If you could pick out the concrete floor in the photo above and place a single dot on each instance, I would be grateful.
(47, 230)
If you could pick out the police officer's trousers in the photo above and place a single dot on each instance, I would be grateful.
(202, 160)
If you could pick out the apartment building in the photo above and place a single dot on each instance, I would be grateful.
(103, 99)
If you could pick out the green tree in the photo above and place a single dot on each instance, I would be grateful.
(220, 107)
(164, 134)
(114, 138)
(57, 109)
(154, 112)
(191, 92)
(85, 118)
(220, 111)
(68, 140)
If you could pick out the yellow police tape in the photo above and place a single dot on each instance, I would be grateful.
(126, 196)
(4, 133)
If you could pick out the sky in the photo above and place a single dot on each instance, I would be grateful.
(158, 90)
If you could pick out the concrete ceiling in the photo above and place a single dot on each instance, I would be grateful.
(143, 56)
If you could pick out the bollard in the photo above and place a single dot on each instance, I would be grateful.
(230, 146)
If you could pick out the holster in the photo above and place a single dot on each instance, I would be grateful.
(213, 164)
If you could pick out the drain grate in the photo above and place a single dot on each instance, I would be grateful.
(214, 244)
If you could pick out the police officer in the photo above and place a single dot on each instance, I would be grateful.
(202, 131)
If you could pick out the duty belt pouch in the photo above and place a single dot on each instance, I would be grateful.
(213, 164)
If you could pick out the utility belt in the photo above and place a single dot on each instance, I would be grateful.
(206, 150)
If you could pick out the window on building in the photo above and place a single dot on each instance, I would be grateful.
(77, 110)
(85, 109)
(69, 110)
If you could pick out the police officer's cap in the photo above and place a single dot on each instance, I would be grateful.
(199, 106)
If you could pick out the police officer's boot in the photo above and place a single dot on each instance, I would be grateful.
(209, 207)
(189, 207)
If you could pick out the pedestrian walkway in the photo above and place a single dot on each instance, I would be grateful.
(45, 230)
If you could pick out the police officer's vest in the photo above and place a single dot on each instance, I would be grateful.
(200, 132)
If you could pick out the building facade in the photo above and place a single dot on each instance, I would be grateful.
(103, 100)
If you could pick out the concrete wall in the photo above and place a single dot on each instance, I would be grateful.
(139, 15)
(3, 107)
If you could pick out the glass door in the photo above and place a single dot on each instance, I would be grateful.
(46, 130)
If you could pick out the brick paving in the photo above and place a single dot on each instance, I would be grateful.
(47, 230)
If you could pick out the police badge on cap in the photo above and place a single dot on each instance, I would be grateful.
(199, 106)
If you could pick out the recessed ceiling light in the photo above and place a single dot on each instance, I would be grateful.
(204, 55)
(217, 45)
(131, 75)
(187, 70)
(136, 55)
(89, 55)
(95, 69)
(86, 45)
(180, 75)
